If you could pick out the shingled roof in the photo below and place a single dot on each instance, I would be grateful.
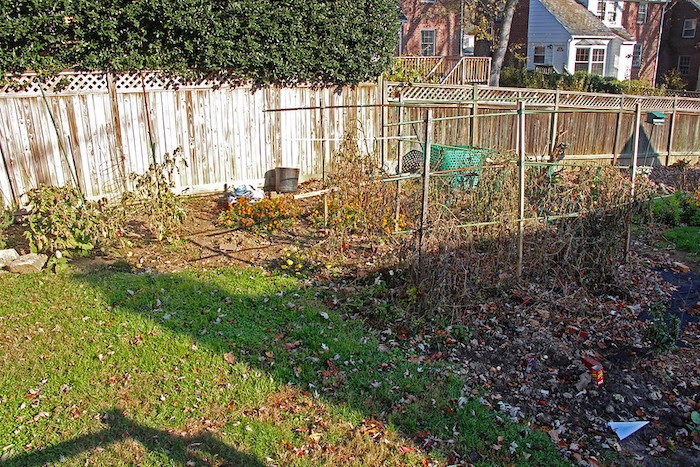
(576, 19)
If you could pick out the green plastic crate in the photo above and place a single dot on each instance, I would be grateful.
(459, 157)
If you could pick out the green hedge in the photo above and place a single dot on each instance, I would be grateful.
(579, 81)
(283, 42)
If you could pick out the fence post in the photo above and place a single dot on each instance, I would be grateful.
(14, 196)
(426, 181)
(671, 130)
(384, 118)
(618, 126)
(112, 89)
(399, 147)
(633, 174)
(473, 124)
(322, 122)
(521, 183)
(554, 122)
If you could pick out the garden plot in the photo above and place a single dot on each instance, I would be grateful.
(513, 345)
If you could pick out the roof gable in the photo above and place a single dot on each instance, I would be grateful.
(576, 19)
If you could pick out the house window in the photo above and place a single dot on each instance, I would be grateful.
(538, 57)
(637, 55)
(689, 26)
(427, 42)
(684, 65)
(601, 9)
(468, 41)
(612, 12)
(590, 60)
(582, 58)
(642, 13)
(597, 61)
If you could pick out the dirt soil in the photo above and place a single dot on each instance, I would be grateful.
(522, 353)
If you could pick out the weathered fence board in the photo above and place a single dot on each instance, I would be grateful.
(95, 133)
(96, 129)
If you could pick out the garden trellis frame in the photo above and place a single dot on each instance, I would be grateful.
(522, 162)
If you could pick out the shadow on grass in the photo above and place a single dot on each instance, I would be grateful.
(277, 328)
(204, 447)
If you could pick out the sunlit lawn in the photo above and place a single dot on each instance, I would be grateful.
(229, 367)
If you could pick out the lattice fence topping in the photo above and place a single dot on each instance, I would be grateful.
(62, 83)
(32, 84)
(423, 93)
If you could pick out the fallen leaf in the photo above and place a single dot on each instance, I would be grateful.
(230, 358)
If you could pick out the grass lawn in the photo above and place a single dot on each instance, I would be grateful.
(685, 238)
(226, 367)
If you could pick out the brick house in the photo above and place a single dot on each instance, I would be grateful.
(643, 20)
(680, 42)
(431, 28)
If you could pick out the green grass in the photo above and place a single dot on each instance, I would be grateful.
(228, 367)
(685, 238)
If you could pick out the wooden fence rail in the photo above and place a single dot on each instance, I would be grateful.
(97, 128)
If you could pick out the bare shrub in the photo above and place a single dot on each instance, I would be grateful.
(363, 204)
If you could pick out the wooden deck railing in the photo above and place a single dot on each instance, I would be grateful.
(469, 70)
(448, 69)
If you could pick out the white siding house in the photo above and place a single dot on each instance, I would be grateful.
(568, 36)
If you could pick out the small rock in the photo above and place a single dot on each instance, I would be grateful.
(610, 408)
(680, 267)
(568, 395)
(583, 380)
(229, 246)
(7, 256)
(677, 421)
(543, 418)
(544, 314)
(28, 264)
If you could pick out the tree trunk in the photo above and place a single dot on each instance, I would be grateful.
(503, 37)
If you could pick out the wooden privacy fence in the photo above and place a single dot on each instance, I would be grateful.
(97, 128)
(583, 125)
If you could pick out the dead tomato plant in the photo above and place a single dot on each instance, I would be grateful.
(575, 225)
